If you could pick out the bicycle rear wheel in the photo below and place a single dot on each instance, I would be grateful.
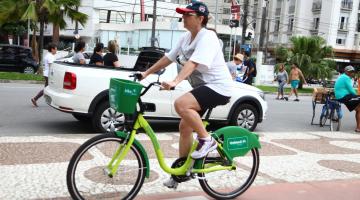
(335, 120)
(230, 184)
(87, 177)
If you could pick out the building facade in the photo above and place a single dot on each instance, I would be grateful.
(337, 21)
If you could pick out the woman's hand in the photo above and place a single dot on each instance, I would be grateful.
(168, 85)
(143, 75)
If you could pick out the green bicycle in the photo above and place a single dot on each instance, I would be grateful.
(115, 165)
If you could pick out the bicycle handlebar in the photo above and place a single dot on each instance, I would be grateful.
(138, 77)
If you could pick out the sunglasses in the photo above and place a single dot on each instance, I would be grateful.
(190, 14)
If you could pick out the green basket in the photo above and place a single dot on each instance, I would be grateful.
(124, 94)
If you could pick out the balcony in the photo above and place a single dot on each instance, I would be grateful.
(343, 27)
(278, 11)
(316, 7)
(291, 10)
(314, 29)
(347, 6)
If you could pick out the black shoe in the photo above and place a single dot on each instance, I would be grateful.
(296, 100)
(287, 99)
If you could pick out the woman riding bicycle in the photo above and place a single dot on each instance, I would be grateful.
(202, 60)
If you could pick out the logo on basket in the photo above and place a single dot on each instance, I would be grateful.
(130, 92)
(237, 143)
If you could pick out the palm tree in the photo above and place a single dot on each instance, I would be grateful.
(310, 54)
(41, 11)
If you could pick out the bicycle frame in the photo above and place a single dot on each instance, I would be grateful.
(141, 122)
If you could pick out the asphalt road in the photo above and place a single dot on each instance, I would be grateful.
(18, 117)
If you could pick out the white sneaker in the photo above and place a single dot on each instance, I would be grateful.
(171, 183)
(203, 148)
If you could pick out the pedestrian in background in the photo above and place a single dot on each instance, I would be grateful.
(294, 80)
(235, 65)
(97, 57)
(79, 56)
(111, 59)
(282, 79)
(48, 60)
(250, 71)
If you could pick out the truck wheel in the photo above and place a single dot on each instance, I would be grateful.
(105, 118)
(81, 117)
(245, 116)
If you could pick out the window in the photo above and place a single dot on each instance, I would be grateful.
(343, 23)
(225, 21)
(340, 41)
(316, 23)
(111, 16)
(291, 24)
(226, 11)
(227, 1)
(277, 24)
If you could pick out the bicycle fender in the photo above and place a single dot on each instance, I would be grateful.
(137, 144)
(237, 141)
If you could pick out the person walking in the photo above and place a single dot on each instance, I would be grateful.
(294, 80)
(48, 60)
(250, 71)
(282, 79)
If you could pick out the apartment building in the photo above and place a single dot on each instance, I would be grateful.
(337, 21)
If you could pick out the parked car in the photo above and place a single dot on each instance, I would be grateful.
(83, 91)
(14, 58)
(68, 58)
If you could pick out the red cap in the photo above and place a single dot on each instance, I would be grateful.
(184, 10)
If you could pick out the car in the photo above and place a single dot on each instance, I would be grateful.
(15, 58)
(83, 91)
(68, 58)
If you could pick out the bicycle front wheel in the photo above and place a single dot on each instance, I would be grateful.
(230, 184)
(87, 174)
(335, 120)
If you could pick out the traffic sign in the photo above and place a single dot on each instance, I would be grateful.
(235, 9)
(234, 23)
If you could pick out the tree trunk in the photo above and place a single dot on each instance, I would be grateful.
(35, 51)
(56, 34)
(41, 40)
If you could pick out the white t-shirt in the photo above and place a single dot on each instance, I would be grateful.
(49, 59)
(206, 51)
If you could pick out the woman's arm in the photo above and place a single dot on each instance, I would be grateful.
(116, 63)
(160, 64)
(99, 63)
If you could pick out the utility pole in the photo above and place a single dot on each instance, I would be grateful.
(216, 13)
(267, 36)
(153, 25)
(244, 20)
(262, 28)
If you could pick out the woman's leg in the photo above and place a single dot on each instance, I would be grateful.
(186, 138)
(187, 106)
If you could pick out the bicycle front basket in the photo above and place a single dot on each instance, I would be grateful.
(124, 94)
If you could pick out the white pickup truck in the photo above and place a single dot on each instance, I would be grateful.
(82, 90)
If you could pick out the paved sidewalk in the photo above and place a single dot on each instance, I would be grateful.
(327, 190)
(304, 165)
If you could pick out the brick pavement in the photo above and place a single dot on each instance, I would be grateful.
(34, 167)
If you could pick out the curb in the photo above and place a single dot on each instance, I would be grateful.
(21, 81)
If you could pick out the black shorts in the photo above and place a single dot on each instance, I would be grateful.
(351, 101)
(208, 98)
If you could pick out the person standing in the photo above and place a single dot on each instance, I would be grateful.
(79, 56)
(345, 93)
(235, 65)
(97, 58)
(48, 60)
(294, 80)
(282, 79)
(250, 71)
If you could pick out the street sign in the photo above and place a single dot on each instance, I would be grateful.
(234, 23)
(235, 9)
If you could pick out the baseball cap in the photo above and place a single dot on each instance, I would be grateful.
(194, 7)
(239, 56)
(349, 68)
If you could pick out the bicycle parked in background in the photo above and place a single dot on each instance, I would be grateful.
(115, 165)
(331, 111)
